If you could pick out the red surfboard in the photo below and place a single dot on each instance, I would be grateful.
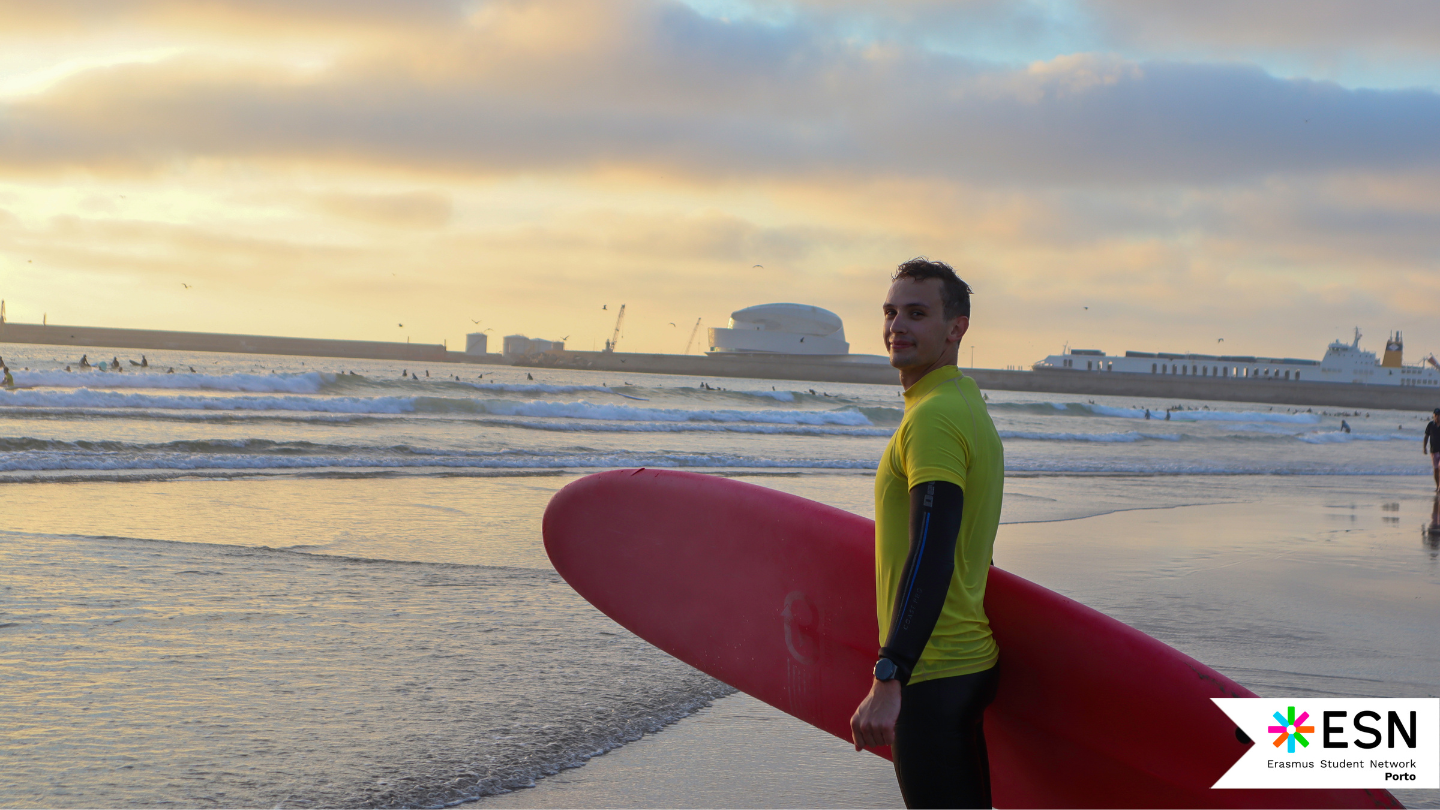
(775, 595)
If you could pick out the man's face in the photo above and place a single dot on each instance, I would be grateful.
(917, 333)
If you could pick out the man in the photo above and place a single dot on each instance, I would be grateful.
(937, 506)
(1431, 444)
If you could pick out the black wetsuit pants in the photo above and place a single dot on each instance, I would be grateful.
(939, 750)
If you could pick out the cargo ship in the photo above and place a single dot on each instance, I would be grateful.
(1344, 363)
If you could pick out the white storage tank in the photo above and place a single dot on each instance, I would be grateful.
(781, 329)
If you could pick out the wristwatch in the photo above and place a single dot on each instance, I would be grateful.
(886, 670)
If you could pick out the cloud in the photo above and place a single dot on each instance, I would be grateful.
(462, 160)
(1324, 29)
(654, 87)
(414, 209)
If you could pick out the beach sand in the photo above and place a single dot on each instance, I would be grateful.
(1327, 588)
(738, 752)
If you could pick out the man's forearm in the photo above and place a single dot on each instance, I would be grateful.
(935, 513)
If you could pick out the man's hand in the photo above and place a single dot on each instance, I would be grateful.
(873, 724)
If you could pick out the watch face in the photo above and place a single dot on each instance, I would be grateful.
(884, 670)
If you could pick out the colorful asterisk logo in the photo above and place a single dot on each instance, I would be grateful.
(1291, 729)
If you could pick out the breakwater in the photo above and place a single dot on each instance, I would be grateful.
(97, 336)
(1159, 386)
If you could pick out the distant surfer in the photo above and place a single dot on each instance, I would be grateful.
(85, 361)
(9, 380)
(1431, 444)
(1345, 426)
(936, 671)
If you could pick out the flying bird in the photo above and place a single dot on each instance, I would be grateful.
(1220, 340)
(761, 266)
(563, 339)
(1087, 307)
(183, 284)
(604, 306)
(402, 326)
(672, 323)
(472, 320)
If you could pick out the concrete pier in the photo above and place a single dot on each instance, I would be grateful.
(1159, 386)
(95, 336)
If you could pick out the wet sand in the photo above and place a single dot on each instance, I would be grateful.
(1329, 588)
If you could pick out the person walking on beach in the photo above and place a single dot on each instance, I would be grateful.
(1431, 444)
(937, 506)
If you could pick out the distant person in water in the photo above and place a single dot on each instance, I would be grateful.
(1431, 444)
(9, 380)
(1345, 426)
(143, 362)
(84, 361)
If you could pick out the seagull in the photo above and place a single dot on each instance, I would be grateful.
(761, 266)
(1087, 307)
(604, 306)
(672, 323)
(183, 284)
(562, 340)
(402, 326)
(472, 320)
(1220, 340)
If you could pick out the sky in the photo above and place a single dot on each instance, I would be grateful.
(1219, 177)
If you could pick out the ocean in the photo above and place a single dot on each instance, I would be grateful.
(267, 581)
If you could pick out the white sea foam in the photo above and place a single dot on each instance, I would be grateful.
(309, 382)
(1245, 416)
(1204, 415)
(86, 398)
(597, 426)
(631, 413)
(779, 396)
(1126, 436)
(1341, 437)
(100, 462)
(538, 388)
(1090, 409)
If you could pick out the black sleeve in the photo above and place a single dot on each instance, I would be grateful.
(935, 508)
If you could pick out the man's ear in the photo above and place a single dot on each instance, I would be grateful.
(958, 328)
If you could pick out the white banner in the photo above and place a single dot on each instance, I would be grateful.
(1335, 742)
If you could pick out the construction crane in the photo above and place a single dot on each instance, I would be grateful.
(693, 333)
(615, 338)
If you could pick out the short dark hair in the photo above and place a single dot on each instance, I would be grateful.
(954, 293)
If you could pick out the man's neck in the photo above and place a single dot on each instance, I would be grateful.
(910, 376)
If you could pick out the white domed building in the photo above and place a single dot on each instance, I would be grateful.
(781, 329)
